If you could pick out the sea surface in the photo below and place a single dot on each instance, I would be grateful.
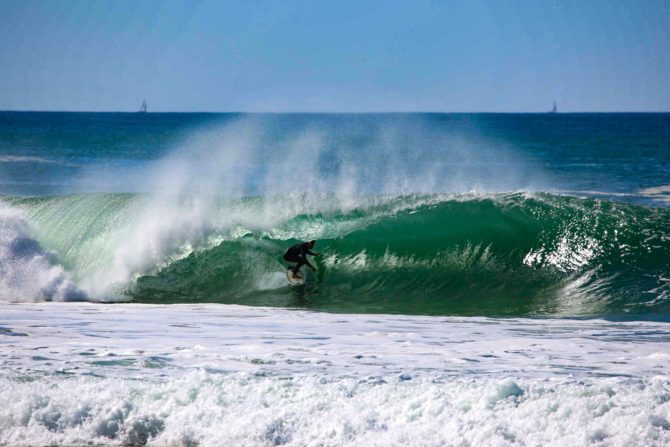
(485, 279)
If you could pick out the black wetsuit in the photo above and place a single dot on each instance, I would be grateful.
(298, 253)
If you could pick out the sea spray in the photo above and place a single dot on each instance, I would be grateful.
(291, 169)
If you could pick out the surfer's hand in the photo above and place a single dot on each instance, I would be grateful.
(317, 254)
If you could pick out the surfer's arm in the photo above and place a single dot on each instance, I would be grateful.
(311, 253)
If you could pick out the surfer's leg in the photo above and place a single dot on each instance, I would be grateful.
(293, 268)
(296, 269)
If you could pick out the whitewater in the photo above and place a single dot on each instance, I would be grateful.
(222, 375)
(485, 279)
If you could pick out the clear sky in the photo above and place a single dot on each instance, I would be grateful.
(335, 56)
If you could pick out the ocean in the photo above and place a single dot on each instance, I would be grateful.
(485, 279)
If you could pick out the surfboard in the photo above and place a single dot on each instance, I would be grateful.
(300, 280)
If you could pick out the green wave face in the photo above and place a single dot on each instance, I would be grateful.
(502, 254)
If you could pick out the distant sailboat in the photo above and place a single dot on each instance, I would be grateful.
(143, 108)
(554, 109)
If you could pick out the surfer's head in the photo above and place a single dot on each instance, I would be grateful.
(311, 244)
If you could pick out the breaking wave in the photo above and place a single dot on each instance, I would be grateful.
(467, 254)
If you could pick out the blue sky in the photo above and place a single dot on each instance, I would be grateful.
(335, 56)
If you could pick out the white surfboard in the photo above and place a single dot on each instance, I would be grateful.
(298, 280)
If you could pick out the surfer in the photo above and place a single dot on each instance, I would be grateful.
(298, 254)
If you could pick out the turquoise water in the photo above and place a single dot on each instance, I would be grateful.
(615, 153)
(538, 214)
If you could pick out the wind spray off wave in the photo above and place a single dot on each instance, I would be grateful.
(109, 240)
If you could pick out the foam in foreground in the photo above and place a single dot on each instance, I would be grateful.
(227, 375)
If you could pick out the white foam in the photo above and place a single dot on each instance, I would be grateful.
(232, 375)
(27, 272)
(210, 410)
(271, 281)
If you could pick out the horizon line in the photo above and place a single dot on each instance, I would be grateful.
(371, 112)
